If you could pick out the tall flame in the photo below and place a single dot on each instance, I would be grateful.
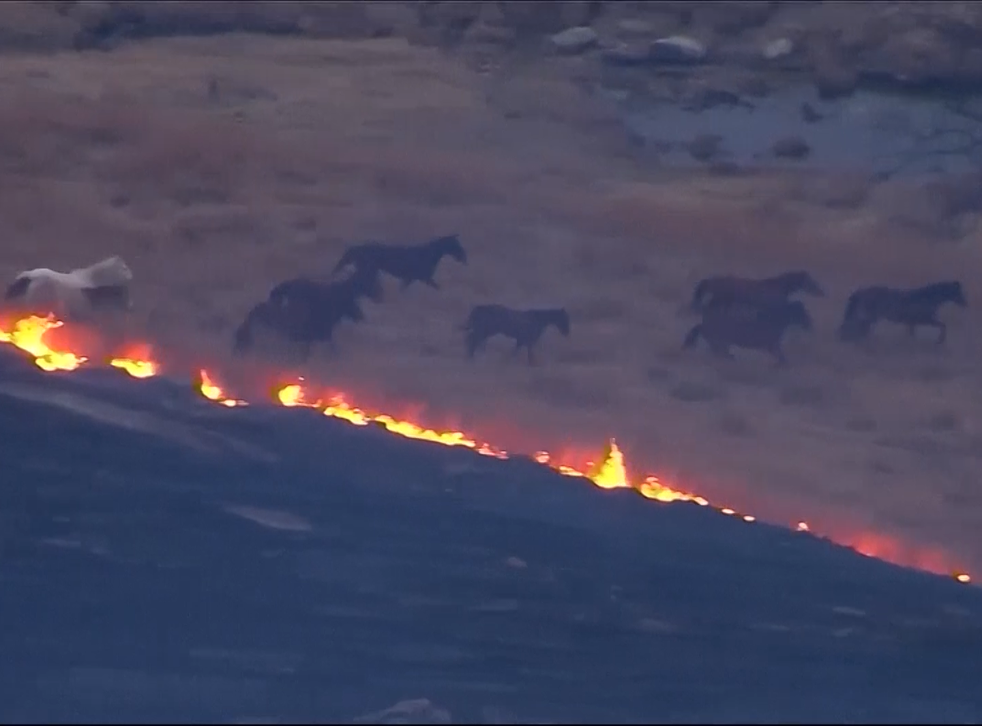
(611, 472)
(28, 335)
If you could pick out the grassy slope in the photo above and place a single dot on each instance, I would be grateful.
(304, 145)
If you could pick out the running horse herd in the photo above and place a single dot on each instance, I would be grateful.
(736, 312)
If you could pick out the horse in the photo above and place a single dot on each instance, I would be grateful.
(407, 263)
(918, 306)
(362, 283)
(74, 295)
(729, 290)
(525, 327)
(305, 312)
(762, 329)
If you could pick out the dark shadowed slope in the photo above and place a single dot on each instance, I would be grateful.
(165, 558)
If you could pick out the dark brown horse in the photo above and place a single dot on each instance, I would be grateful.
(763, 329)
(868, 305)
(306, 312)
(525, 327)
(730, 290)
(407, 263)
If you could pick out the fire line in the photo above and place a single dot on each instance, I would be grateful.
(610, 472)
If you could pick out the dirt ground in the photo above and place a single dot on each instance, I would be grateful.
(217, 167)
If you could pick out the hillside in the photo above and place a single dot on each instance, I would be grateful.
(220, 165)
(169, 559)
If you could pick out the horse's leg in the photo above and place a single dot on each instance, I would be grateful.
(531, 357)
(943, 330)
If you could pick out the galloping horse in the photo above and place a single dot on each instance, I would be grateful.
(764, 329)
(407, 263)
(306, 312)
(525, 327)
(729, 290)
(918, 306)
(74, 295)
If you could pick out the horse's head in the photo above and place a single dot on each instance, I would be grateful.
(957, 294)
(450, 245)
(19, 287)
(560, 319)
(801, 280)
(795, 313)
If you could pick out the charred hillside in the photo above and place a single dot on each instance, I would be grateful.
(165, 558)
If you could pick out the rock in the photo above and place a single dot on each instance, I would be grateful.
(791, 147)
(415, 711)
(778, 49)
(574, 40)
(677, 49)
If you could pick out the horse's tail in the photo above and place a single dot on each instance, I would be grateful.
(692, 337)
(242, 339)
(852, 306)
(702, 287)
(110, 272)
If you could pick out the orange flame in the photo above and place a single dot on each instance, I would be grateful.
(28, 334)
(213, 392)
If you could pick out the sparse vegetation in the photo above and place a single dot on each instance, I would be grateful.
(218, 166)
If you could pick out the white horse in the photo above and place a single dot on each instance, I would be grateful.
(74, 295)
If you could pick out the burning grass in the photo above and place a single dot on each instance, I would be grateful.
(609, 471)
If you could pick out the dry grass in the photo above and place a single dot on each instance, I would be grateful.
(218, 167)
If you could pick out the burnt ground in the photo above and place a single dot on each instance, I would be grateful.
(167, 559)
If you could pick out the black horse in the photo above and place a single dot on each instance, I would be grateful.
(729, 290)
(919, 306)
(763, 329)
(361, 283)
(306, 312)
(407, 263)
(525, 327)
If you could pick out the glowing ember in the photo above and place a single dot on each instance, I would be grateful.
(28, 335)
(213, 392)
(136, 368)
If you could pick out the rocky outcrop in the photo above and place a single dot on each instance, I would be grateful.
(837, 45)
